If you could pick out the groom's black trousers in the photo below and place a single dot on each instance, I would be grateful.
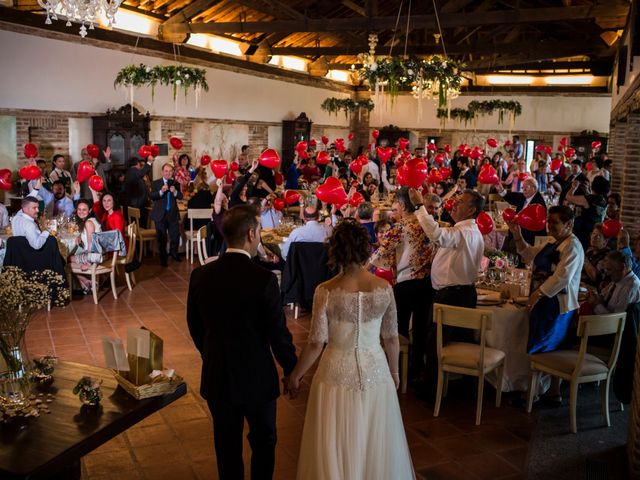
(228, 427)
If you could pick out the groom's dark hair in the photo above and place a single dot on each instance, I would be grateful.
(236, 222)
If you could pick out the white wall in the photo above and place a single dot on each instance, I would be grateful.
(45, 74)
(559, 113)
(8, 153)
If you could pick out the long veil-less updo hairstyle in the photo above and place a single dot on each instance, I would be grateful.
(350, 243)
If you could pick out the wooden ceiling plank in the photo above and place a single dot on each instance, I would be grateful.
(454, 6)
(189, 11)
(494, 17)
(355, 7)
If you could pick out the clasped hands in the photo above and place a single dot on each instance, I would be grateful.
(291, 386)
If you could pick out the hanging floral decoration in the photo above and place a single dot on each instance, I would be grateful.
(476, 109)
(437, 78)
(177, 77)
(333, 105)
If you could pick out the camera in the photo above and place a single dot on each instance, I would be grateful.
(171, 183)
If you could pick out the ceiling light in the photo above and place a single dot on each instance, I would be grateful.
(85, 12)
(509, 80)
(569, 80)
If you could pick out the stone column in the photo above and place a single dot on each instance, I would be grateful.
(359, 123)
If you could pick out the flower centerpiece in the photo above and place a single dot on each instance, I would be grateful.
(88, 390)
(494, 259)
(21, 296)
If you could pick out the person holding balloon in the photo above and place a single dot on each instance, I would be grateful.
(529, 196)
(557, 268)
(591, 206)
(244, 186)
(90, 155)
(59, 173)
(56, 202)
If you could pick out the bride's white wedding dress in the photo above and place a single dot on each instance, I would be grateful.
(353, 428)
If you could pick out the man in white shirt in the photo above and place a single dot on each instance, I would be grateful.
(624, 289)
(57, 201)
(269, 216)
(518, 148)
(311, 231)
(23, 224)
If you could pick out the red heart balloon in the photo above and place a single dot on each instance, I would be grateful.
(488, 176)
(569, 152)
(30, 150)
(434, 176)
(230, 178)
(23, 173)
(219, 168)
(384, 154)
(322, 158)
(383, 273)
(205, 160)
(356, 167)
(611, 228)
(301, 146)
(507, 143)
(564, 142)
(331, 191)
(278, 204)
(556, 164)
(175, 143)
(560, 148)
(234, 166)
(399, 163)
(447, 148)
(340, 147)
(448, 205)
(548, 150)
(522, 176)
(324, 139)
(540, 148)
(350, 136)
(589, 167)
(5, 179)
(85, 170)
(485, 223)
(269, 158)
(439, 158)
(403, 143)
(375, 134)
(533, 218)
(302, 154)
(144, 151)
(462, 147)
(356, 199)
(291, 197)
(93, 150)
(432, 147)
(155, 150)
(596, 145)
(415, 173)
(508, 214)
(278, 178)
(313, 143)
(445, 172)
(96, 183)
(363, 159)
(492, 142)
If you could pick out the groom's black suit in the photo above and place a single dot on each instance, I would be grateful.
(236, 321)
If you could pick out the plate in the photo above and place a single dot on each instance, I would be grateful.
(488, 302)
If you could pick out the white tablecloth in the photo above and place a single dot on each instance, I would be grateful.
(509, 333)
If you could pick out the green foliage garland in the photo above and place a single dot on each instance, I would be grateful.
(475, 109)
(398, 74)
(171, 75)
(333, 105)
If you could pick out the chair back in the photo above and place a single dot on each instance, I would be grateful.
(132, 231)
(306, 267)
(471, 318)
(134, 215)
(198, 213)
(596, 325)
(201, 241)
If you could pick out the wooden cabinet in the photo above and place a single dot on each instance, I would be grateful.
(123, 132)
(391, 134)
(582, 144)
(294, 131)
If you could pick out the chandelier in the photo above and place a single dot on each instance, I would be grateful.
(85, 12)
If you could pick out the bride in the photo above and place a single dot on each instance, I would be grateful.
(353, 428)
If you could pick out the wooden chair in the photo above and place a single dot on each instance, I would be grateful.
(201, 242)
(144, 235)
(195, 213)
(578, 366)
(466, 358)
(108, 266)
(131, 251)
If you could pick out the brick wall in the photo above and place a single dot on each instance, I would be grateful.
(630, 212)
(616, 147)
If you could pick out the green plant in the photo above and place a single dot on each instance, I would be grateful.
(475, 109)
(171, 75)
(333, 105)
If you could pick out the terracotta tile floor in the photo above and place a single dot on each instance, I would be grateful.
(178, 441)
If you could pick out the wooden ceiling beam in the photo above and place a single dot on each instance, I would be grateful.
(451, 20)
(190, 11)
(355, 7)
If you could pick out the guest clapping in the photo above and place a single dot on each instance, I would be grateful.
(165, 193)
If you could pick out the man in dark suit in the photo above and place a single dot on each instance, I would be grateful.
(237, 339)
(576, 175)
(135, 188)
(529, 196)
(165, 192)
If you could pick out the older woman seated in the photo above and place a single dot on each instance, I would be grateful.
(594, 271)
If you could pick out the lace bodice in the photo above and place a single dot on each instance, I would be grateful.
(351, 323)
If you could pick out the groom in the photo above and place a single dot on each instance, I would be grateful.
(236, 336)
